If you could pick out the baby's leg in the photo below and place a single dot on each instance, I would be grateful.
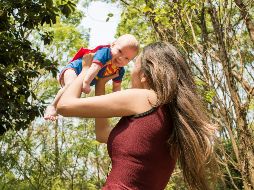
(69, 76)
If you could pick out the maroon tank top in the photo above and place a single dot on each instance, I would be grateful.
(139, 152)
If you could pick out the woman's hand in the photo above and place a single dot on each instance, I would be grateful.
(100, 84)
(106, 79)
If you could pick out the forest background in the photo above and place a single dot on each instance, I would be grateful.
(37, 37)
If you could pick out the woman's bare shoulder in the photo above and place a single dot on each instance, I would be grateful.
(140, 92)
(142, 97)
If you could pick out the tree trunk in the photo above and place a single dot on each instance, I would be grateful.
(57, 170)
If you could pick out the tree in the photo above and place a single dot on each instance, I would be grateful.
(20, 61)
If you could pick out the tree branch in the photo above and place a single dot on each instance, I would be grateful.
(247, 17)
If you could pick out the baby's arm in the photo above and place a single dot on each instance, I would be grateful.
(90, 75)
(100, 59)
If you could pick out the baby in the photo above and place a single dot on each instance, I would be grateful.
(107, 60)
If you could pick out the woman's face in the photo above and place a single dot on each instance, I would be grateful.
(136, 74)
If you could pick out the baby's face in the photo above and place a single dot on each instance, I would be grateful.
(122, 54)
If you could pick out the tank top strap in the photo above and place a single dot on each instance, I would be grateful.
(144, 113)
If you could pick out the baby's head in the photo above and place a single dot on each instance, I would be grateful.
(124, 49)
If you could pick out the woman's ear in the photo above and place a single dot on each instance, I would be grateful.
(144, 81)
(143, 78)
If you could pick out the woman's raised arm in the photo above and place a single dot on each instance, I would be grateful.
(102, 125)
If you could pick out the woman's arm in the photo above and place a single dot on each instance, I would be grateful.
(102, 125)
(117, 104)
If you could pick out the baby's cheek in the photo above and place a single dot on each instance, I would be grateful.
(114, 56)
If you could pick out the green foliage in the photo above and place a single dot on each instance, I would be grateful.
(176, 181)
(207, 94)
(60, 155)
(52, 86)
(133, 22)
(236, 175)
(110, 15)
(20, 62)
(251, 106)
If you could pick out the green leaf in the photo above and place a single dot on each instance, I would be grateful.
(110, 14)
(22, 99)
(251, 106)
(209, 95)
(147, 9)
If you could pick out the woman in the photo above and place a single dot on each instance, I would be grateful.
(162, 120)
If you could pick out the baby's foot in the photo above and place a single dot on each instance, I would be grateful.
(50, 113)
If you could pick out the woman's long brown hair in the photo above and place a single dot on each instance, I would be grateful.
(192, 137)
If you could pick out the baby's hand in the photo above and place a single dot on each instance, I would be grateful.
(86, 88)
